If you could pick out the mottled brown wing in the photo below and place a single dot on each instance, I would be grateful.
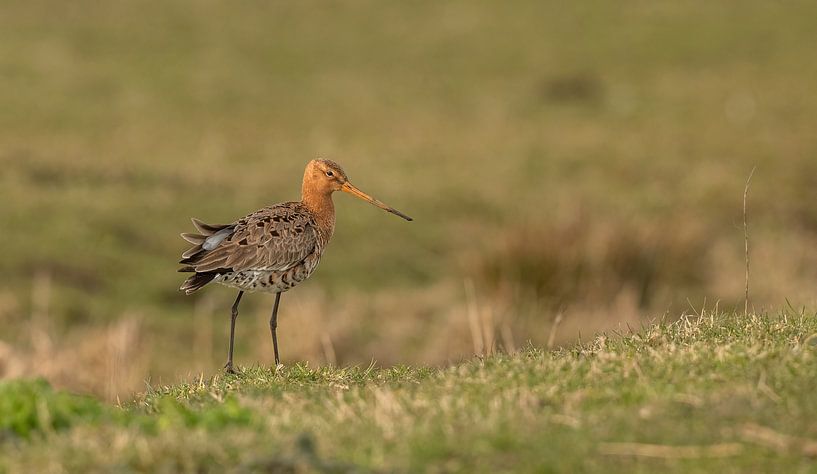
(274, 238)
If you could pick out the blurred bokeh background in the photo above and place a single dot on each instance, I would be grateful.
(571, 167)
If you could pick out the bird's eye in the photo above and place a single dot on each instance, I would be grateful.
(330, 174)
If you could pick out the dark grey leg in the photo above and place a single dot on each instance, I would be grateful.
(229, 366)
(273, 325)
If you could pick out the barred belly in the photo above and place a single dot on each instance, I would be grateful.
(267, 280)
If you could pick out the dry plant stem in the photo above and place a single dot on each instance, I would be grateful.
(746, 242)
(329, 349)
(777, 441)
(670, 452)
(202, 347)
(553, 328)
(472, 312)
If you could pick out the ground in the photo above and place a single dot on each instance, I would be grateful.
(711, 392)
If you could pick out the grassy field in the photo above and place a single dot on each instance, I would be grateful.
(706, 393)
(574, 170)
(582, 160)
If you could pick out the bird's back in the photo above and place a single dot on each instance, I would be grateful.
(272, 249)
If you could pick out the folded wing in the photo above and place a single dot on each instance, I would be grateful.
(275, 238)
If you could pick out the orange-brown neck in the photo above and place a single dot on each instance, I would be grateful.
(319, 203)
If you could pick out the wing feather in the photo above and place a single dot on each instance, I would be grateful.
(207, 229)
(194, 239)
(190, 252)
(273, 239)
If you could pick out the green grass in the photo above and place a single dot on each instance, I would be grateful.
(706, 393)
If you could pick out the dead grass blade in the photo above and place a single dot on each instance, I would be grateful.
(746, 242)
(662, 451)
(778, 441)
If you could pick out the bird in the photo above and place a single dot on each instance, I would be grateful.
(272, 249)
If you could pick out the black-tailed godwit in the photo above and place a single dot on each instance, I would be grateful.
(272, 249)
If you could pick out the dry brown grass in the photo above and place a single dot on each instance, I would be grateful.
(108, 360)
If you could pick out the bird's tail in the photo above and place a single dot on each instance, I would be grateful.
(196, 282)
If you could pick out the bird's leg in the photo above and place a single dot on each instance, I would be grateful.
(273, 325)
(229, 366)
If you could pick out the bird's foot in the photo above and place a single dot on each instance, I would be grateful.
(229, 369)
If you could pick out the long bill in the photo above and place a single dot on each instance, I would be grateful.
(349, 188)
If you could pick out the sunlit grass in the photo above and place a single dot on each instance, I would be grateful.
(709, 392)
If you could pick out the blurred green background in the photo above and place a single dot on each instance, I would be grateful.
(570, 168)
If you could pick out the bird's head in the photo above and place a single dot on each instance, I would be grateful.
(325, 177)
